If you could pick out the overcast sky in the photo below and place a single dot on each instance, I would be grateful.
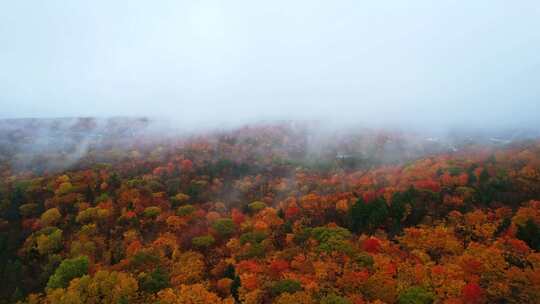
(429, 62)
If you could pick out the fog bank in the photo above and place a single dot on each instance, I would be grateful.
(421, 63)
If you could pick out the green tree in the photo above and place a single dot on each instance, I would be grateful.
(151, 212)
(154, 281)
(286, 285)
(224, 227)
(416, 295)
(16, 199)
(484, 176)
(332, 239)
(398, 209)
(365, 217)
(203, 242)
(530, 234)
(185, 210)
(68, 270)
(49, 240)
(252, 237)
(256, 206)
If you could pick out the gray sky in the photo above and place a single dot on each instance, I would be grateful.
(437, 62)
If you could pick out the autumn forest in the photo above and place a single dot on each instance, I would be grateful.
(107, 212)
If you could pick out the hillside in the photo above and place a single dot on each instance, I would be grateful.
(108, 212)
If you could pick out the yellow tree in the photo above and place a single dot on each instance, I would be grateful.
(103, 288)
(191, 294)
(188, 268)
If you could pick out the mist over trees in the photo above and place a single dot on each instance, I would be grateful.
(283, 212)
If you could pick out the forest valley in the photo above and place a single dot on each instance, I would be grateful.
(264, 214)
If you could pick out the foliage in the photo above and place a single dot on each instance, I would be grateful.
(104, 287)
(154, 281)
(288, 286)
(334, 299)
(29, 209)
(332, 239)
(188, 294)
(203, 242)
(253, 215)
(50, 217)
(530, 233)
(49, 241)
(253, 237)
(416, 295)
(188, 268)
(256, 206)
(224, 226)
(92, 214)
(366, 216)
(185, 210)
(68, 270)
(152, 212)
(298, 297)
